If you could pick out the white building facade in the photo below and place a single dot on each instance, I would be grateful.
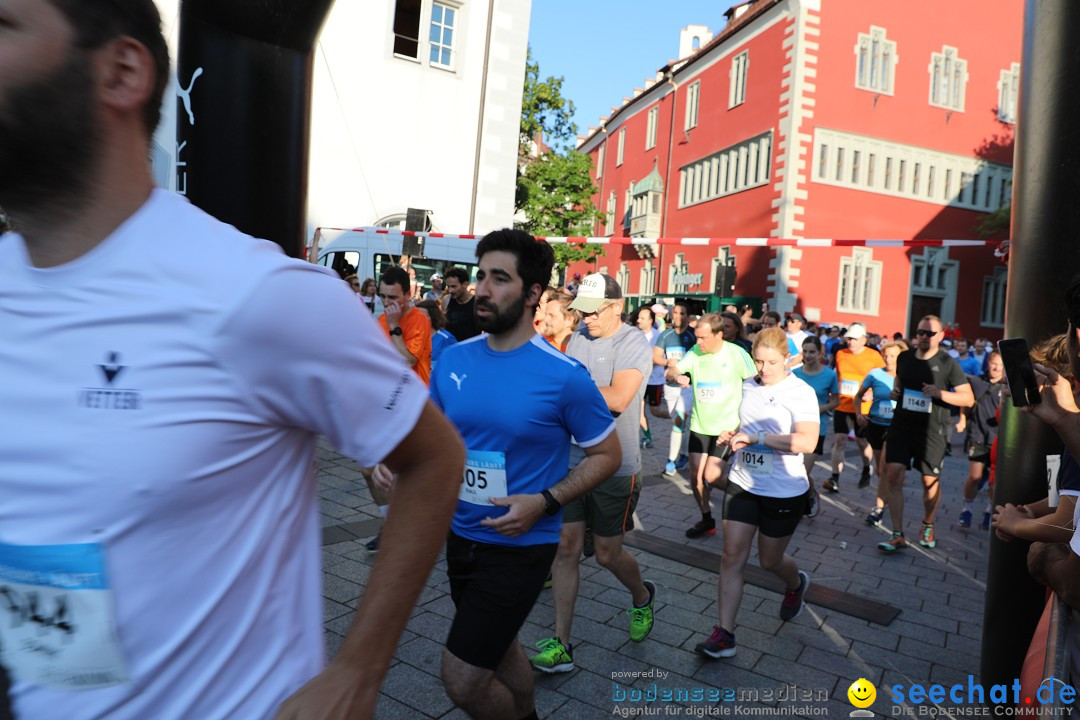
(415, 103)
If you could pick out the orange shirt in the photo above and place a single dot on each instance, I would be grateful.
(850, 370)
(416, 331)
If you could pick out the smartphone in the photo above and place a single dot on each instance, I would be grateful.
(1018, 369)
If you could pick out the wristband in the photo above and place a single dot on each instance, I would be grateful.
(761, 437)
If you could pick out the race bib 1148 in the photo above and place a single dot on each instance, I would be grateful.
(57, 619)
(915, 401)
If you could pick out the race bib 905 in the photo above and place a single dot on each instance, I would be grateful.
(57, 622)
(484, 477)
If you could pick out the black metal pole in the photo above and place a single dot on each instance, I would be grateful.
(243, 115)
(1046, 176)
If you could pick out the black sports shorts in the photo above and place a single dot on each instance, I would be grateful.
(494, 588)
(921, 449)
(774, 517)
(844, 421)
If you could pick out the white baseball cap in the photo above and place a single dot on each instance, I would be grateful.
(855, 331)
(595, 290)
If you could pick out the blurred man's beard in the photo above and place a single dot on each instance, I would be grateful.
(48, 139)
(502, 319)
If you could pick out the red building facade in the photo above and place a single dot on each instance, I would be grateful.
(843, 119)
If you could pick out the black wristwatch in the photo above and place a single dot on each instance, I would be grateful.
(551, 505)
(396, 331)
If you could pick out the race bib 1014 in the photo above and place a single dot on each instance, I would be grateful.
(57, 618)
(757, 460)
(484, 477)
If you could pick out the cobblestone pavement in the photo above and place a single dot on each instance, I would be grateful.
(934, 639)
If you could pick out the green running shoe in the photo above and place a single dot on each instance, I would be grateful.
(641, 618)
(554, 657)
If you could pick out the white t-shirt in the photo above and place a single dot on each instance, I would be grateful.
(774, 410)
(161, 401)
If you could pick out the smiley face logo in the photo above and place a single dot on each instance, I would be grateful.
(862, 693)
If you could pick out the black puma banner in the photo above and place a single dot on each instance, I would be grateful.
(244, 109)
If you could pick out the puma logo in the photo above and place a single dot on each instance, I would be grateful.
(458, 380)
(185, 94)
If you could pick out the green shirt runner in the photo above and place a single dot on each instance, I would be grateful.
(717, 380)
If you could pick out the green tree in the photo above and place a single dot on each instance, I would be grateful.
(554, 185)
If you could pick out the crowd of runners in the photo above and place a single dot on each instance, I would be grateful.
(159, 534)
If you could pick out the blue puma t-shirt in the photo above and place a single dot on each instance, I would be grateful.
(516, 412)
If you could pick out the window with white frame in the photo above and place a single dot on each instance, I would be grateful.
(993, 298)
(619, 148)
(407, 28)
(693, 95)
(948, 79)
(737, 91)
(609, 220)
(875, 61)
(860, 283)
(647, 279)
(1008, 93)
(600, 160)
(734, 169)
(441, 36)
(677, 270)
(623, 278)
(650, 129)
(874, 165)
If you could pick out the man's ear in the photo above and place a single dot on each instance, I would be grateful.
(126, 74)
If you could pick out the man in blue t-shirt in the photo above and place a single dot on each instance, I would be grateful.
(516, 402)
(672, 344)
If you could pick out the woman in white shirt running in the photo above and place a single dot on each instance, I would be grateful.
(767, 486)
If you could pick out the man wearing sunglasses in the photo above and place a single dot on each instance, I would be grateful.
(619, 359)
(920, 427)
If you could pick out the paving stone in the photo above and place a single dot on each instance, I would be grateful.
(422, 653)
(801, 675)
(339, 589)
(768, 643)
(417, 689)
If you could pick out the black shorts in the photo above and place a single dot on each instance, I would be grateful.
(654, 395)
(922, 449)
(844, 421)
(706, 445)
(774, 517)
(875, 434)
(494, 588)
(820, 449)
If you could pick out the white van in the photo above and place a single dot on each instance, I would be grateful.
(369, 253)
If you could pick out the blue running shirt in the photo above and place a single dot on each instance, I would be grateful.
(440, 340)
(516, 412)
(824, 382)
(879, 382)
(675, 345)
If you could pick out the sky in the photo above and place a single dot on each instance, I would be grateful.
(606, 48)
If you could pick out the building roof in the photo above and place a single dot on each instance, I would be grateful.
(650, 183)
(756, 9)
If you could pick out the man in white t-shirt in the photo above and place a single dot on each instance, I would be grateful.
(159, 529)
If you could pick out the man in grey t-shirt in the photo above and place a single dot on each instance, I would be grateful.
(619, 359)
